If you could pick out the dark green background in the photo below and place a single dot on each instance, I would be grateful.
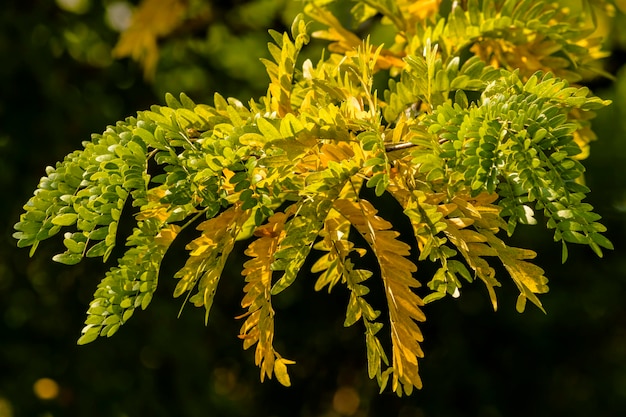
(54, 94)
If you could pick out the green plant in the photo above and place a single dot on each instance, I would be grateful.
(477, 129)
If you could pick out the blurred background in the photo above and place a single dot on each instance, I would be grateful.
(62, 78)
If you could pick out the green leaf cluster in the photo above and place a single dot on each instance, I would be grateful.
(477, 130)
(518, 141)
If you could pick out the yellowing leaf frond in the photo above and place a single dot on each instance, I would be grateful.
(258, 327)
(479, 241)
(472, 247)
(335, 241)
(336, 266)
(403, 303)
(207, 256)
(528, 277)
(345, 42)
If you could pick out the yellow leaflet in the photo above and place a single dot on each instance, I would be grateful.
(481, 242)
(154, 209)
(280, 369)
(318, 158)
(480, 209)
(160, 213)
(469, 243)
(204, 250)
(258, 327)
(528, 277)
(346, 42)
(253, 139)
(419, 10)
(446, 209)
(152, 20)
(167, 235)
(335, 240)
(336, 152)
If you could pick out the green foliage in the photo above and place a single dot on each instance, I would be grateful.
(478, 130)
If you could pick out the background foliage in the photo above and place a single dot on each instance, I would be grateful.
(58, 89)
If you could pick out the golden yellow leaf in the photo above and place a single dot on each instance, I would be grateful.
(528, 277)
(258, 328)
(396, 272)
(280, 370)
(160, 213)
(154, 209)
(207, 255)
(167, 235)
(345, 42)
(421, 9)
(152, 20)
(476, 240)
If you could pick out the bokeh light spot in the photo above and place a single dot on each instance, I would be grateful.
(46, 389)
(74, 6)
(346, 401)
(119, 15)
(6, 410)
